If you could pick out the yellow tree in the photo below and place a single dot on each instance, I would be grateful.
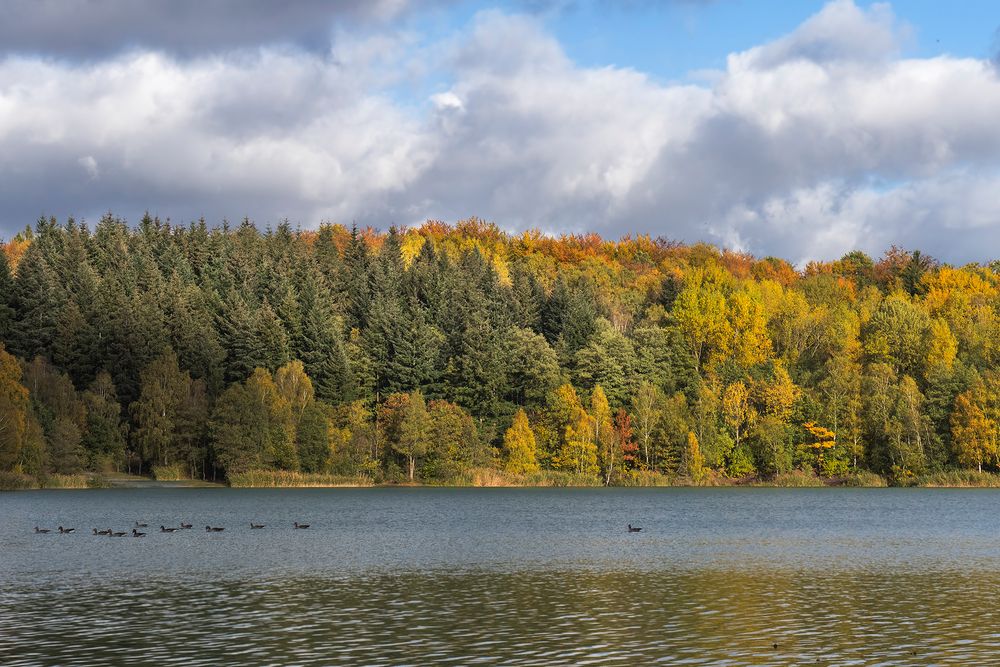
(578, 452)
(822, 443)
(700, 313)
(779, 394)
(942, 346)
(519, 446)
(694, 462)
(751, 341)
(973, 434)
(294, 386)
(13, 411)
(277, 419)
(737, 410)
(600, 418)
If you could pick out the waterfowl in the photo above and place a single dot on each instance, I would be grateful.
(633, 529)
(117, 534)
(141, 525)
(136, 533)
(301, 525)
(164, 529)
(256, 525)
(102, 532)
(185, 525)
(42, 530)
(212, 529)
(66, 530)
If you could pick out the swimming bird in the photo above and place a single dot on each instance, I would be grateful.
(256, 525)
(164, 529)
(141, 525)
(42, 530)
(185, 525)
(102, 532)
(301, 525)
(66, 530)
(117, 534)
(633, 529)
(212, 529)
(136, 533)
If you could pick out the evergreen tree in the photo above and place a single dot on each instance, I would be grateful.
(7, 312)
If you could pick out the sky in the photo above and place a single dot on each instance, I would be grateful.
(798, 129)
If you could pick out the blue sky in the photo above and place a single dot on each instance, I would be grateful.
(799, 129)
(672, 40)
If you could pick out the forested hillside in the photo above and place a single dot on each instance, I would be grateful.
(428, 353)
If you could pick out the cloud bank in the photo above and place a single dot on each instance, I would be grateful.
(819, 142)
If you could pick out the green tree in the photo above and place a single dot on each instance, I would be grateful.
(414, 432)
(313, 438)
(104, 438)
(156, 413)
(647, 416)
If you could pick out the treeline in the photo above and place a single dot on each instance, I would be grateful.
(427, 353)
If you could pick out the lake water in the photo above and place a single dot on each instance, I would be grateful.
(510, 576)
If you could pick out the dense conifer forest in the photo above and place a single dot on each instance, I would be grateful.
(457, 354)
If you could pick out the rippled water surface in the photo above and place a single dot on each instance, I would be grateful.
(509, 576)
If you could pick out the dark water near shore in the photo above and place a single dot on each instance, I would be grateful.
(513, 576)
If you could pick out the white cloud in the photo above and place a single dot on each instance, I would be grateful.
(89, 165)
(807, 147)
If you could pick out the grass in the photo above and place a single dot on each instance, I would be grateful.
(644, 478)
(794, 479)
(12, 481)
(863, 478)
(546, 478)
(252, 479)
(960, 479)
(171, 473)
(55, 481)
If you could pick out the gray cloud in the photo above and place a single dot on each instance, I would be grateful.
(97, 28)
(806, 147)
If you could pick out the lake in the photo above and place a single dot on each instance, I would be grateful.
(392, 576)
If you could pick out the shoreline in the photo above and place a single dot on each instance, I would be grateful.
(121, 481)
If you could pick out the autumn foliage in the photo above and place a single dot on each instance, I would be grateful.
(416, 354)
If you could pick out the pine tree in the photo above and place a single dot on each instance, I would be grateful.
(7, 312)
(312, 438)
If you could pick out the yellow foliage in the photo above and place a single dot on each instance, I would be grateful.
(519, 446)
(942, 345)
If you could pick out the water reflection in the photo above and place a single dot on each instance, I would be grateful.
(529, 576)
(721, 617)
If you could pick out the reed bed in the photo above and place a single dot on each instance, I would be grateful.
(965, 479)
(253, 479)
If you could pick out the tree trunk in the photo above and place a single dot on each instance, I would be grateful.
(411, 464)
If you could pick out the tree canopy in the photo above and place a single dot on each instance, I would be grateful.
(417, 354)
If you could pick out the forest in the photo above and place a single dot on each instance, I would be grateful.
(458, 354)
